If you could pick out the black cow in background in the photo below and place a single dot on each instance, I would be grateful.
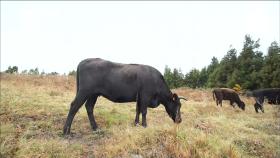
(227, 94)
(271, 94)
(121, 83)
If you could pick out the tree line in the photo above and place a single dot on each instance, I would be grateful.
(251, 69)
(14, 70)
(248, 69)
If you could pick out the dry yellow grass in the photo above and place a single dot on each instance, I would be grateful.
(33, 111)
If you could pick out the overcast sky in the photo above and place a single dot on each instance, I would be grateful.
(56, 36)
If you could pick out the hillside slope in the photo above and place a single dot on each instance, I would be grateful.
(34, 108)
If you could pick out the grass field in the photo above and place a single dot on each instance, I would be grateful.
(34, 108)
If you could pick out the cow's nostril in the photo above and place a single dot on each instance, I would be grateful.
(178, 120)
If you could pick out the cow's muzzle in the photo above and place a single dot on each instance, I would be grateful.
(178, 119)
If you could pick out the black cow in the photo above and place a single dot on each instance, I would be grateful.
(271, 94)
(227, 94)
(121, 83)
(274, 100)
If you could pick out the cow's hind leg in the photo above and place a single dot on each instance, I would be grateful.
(90, 106)
(141, 107)
(137, 113)
(144, 110)
(217, 100)
(75, 106)
(144, 101)
(221, 102)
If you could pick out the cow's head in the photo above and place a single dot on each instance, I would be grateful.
(173, 108)
(241, 105)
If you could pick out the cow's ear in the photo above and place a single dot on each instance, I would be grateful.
(175, 97)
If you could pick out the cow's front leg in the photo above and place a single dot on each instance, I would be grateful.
(259, 104)
(256, 107)
(232, 103)
(261, 107)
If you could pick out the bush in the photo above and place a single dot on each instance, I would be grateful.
(12, 70)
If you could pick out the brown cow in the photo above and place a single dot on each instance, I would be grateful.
(227, 94)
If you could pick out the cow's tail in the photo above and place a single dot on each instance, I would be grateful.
(77, 80)
(213, 95)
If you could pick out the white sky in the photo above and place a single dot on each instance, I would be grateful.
(56, 36)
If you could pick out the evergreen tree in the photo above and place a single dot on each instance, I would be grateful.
(192, 79)
(249, 64)
(203, 77)
(173, 79)
(168, 76)
(271, 70)
(178, 78)
(226, 69)
(212, 72)
(213, 65)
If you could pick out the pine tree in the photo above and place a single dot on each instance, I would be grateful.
(203, 77)
(271, 70)
(226, 69)
(249, 64)
(168, 77)
(212, 72)
(193, 78)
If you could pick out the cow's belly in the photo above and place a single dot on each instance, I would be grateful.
(120, 97)
(119, 93)
(154, 103)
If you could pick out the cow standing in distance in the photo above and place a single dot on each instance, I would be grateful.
(271, 94)
(227, 94)
(121, 83)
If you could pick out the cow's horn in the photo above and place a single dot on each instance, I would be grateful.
(183, 98)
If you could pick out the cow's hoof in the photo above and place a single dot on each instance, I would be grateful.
(95, 128)
(144, 125)
(98, 131)
(136, 124)
(66, 131)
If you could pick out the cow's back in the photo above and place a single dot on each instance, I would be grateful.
(229, 94)
(117, 81)
(266, 92)
(93, 72)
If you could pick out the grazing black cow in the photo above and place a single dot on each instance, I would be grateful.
(271, 94)
(227, 94)
(121, 83)
(275, 100)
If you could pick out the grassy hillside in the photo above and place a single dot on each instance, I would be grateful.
(33, 111)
